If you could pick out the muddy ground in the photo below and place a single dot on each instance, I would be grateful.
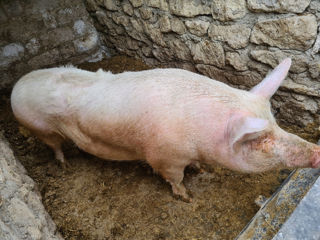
(98, 199)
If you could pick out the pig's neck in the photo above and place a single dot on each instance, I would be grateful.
(212, 124)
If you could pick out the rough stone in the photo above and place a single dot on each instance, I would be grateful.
(242, 80)
(237, 36)
(112, 28)
(163, 54)
(137, 25)
(298, 32)
(187, 8)
(180, 49)
(6, 80)
(42, 27)
(110, 5)
(147, 51)
(145, 13)
(314, 8)
(225, 10)
(197, 27)
(49, 20)
(237, 61)
(33, 46)
(11, 53)
(44, 59)
(273, 58)
(3, 16)
(208, 52)
(136, 3)
(314, 68)
(13, 8)
(316, 45)
(164, 24)
(161, 4)
(65, 16)
(87, 43)
(58, 36)
(132, 44)
(282, 6)
(67, 50)
(309, 88)
(22, 215)
(120, 19)
(79, 28)
(127, 8)
(154, 34)
(177, 26)
(138, 32)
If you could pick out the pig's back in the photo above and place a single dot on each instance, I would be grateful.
(124, 109)
(91, 96)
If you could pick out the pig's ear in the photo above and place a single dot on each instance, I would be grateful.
(242, 128)
(272, 82)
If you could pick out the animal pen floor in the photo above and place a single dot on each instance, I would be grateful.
(97, 199)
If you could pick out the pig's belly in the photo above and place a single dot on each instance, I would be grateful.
(108, 151)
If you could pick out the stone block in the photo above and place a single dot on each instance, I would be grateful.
(33, 46)
(297, 32)
(237, 35)
(237, 61)
(208, 52)
(11, 53)
(136, 3)
(282, 6)
(187, 8)
(197, 27)
(44, 59)
(273, 58)
(225, 10)
(160, 4)
(177, 26)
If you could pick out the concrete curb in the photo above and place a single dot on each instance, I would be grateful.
(275, 212)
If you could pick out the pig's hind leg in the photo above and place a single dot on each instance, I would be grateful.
(54, 141)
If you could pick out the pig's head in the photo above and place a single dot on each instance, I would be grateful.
(257, 143)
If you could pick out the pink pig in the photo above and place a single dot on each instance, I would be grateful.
(170, 118)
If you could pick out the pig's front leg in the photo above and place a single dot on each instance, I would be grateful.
(173, 172)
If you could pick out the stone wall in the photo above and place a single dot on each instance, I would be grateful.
(236, 42)
(39, 33)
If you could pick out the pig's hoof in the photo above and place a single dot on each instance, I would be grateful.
(186, 196)
(65, 165)
(186, 199)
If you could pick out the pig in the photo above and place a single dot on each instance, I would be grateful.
(170, 118)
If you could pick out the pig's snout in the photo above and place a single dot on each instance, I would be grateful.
(315, 160)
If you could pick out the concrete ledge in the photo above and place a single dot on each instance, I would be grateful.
(304, 222)
(274, 213)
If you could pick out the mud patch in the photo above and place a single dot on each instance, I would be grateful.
(98, 199)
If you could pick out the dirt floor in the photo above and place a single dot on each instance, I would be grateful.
(98, 199)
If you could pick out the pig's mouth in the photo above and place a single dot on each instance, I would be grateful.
(316, 163)
(315, 159)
